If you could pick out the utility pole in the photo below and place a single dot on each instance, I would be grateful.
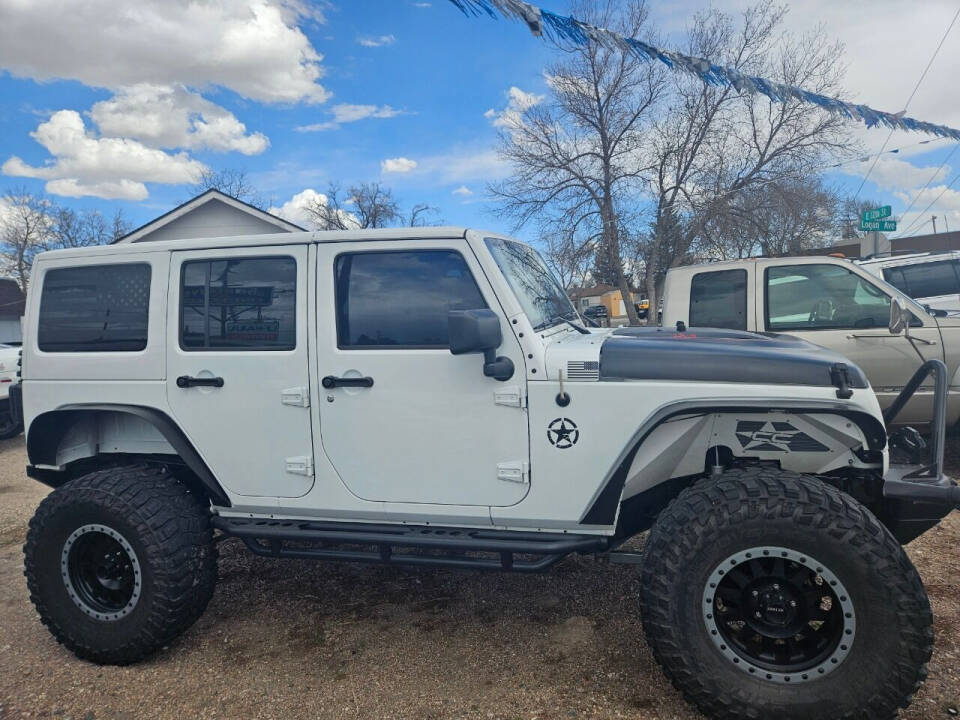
(934, 219)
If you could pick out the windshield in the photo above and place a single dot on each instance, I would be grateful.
(540, 295)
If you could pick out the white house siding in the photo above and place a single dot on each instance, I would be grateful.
(212, 219)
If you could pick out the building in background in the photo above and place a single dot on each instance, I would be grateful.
(210, 214)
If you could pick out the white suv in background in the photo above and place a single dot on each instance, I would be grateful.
(930, 278)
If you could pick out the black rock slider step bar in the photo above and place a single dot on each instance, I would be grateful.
(323, 541)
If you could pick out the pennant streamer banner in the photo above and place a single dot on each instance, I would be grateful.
(562, 29)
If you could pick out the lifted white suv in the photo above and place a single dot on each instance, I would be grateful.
(428, 397)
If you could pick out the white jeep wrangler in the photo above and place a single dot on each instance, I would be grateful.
(429, 397)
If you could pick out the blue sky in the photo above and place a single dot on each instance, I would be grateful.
(101, 111)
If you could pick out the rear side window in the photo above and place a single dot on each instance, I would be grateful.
(925, 279)
(719, 299)
(95, 308)
(239, 304)
(401, 299)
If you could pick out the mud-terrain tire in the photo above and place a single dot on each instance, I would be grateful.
(119, 562)
(824, 535)
(9, 428)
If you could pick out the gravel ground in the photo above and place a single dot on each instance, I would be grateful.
(292, 639)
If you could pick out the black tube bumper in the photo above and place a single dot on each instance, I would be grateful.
(924, 482)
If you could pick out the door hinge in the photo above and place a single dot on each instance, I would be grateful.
(298, 396)
(300, 465)
(512, 396)
(515, 472)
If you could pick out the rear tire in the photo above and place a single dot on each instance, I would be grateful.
(119, 562)
(859, 651)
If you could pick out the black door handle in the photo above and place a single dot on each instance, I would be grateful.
(185, 381)
(330, 381)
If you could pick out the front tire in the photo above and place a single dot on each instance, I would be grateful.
(770, 594)
(119, 562)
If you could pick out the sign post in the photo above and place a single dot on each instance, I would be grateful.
(872, 221)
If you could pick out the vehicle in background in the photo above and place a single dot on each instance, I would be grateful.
(643, 308)
(829, 301)
(9, 363)
(596, 312)
(930, 278)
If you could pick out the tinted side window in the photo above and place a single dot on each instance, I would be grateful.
(719, 299)
(95, 308)
(815, 297)
(930, 279)
(401, 299)
(894, 276)
(239, 304)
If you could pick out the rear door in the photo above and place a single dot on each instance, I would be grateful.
(425, 426)
(832, 305)
(237, 367)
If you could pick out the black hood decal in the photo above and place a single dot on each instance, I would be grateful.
(715, 355)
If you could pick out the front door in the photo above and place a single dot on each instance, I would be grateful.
(833, 306)
(417, 424)
(237, 367)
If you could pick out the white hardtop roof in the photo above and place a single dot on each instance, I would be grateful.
(295, 238)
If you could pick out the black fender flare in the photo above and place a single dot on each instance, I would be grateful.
(48, 429)
(603, 509)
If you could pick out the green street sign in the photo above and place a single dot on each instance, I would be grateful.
(877, 214)
(878, 225)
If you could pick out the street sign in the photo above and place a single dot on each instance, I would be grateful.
(878, 225)
(877, 214)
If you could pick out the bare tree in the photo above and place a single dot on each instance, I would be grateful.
(25, 230)
(230, 181)
(715, 146)
(70, 228)
(374, 205)
(577, 158)
(365, 205)
(569, 257)
(423, 215)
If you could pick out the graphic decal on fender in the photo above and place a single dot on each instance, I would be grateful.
(772, 436)
(563, 433)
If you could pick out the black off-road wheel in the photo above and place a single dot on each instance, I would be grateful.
(119, 562)
(8, 427)
(771, 594)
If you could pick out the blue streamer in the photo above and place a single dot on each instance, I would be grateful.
(563, 29)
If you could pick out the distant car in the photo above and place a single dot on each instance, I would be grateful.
(930, 278)
(596, 312)
(9, 357)
(643, 308)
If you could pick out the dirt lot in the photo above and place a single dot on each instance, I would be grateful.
(290, 639)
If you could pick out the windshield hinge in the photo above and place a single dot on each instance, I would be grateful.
(298, 396)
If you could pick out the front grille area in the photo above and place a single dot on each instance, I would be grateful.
(583, 370)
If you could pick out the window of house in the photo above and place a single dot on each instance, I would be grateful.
(239, 304)
(719, 299)
(816, 297)
(95, 308)
(401, 299)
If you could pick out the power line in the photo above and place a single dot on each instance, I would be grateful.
(920, 191)
(909, 100)
(932, 203)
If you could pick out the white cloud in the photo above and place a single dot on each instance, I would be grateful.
(252, 47)
(173, 117)
(346, 113)
(518, 101)
(84, 164)
(891, 173)
(296, 209)
(380, 41)
(946, 204)
(397, 165)
(422, 4)
(463, 191)
(464, 165)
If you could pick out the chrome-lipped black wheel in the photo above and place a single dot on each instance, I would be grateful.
(779, 614)
(101, 572)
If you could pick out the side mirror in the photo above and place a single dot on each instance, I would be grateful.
(478, 331)
(899, 317)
